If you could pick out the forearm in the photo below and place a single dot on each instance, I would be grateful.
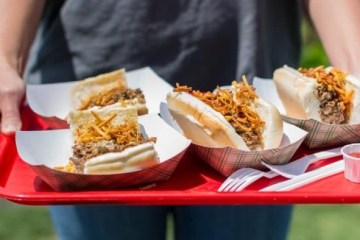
(18, 23)
(337, 24)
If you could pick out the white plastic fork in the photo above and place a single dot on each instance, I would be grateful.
(299, 166)
(308, 177)
(245, 176)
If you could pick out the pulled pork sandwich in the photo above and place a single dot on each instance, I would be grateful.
(107, 90)
(328, 95)
(235, 118)
(108, 142)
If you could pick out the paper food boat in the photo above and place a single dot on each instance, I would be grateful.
(227, 160)
(44, 150)
(320, 134)
(52, 101)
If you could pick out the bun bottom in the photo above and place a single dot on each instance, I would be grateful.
(204, 136)
(129, 160)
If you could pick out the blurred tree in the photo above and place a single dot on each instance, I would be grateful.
(312, 54)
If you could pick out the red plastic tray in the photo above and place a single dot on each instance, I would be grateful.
(193, 182)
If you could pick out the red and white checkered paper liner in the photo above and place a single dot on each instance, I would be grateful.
(227, 160)
(43, 150)
(326, 135)
(52, 101)
(61, 181)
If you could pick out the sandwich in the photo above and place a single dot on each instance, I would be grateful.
(107, 91)
(328, 95)
(236, 117)
(108, 141)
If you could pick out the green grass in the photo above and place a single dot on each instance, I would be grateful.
(18, 222)
(330, 222)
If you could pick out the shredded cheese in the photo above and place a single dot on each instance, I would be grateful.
(99, 99)
(179, 88)
(69, 167)
(103, 129)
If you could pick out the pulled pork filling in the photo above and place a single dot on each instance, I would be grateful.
(114, 96)
(83, 152)
(335, 102)
(239, 114)
(332, 110)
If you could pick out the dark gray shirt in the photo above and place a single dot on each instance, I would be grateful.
(202, 43)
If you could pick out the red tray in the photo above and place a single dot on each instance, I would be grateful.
(193, 182)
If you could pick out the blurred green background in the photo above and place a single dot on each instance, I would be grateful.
(309, 222)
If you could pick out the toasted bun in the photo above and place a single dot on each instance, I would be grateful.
(89, 86)
(84, 89)
(205, 126)
(77, 119)
(131, 159)
(297, 93)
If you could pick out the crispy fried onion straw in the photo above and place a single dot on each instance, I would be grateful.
(334, 80)
(103, 129)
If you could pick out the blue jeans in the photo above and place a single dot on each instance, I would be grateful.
(87, 222)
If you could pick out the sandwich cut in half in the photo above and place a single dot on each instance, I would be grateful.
(108, 141)
(106, 91)
(328, 95)
(234, 117)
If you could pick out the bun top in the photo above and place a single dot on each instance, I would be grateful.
(105, 124)
(296, 93)
(83, 89)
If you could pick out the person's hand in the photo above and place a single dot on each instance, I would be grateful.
(12, 89)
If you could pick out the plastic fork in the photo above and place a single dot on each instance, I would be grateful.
(308, 177)
(246, 176)
(243, 178)
(299, 166)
